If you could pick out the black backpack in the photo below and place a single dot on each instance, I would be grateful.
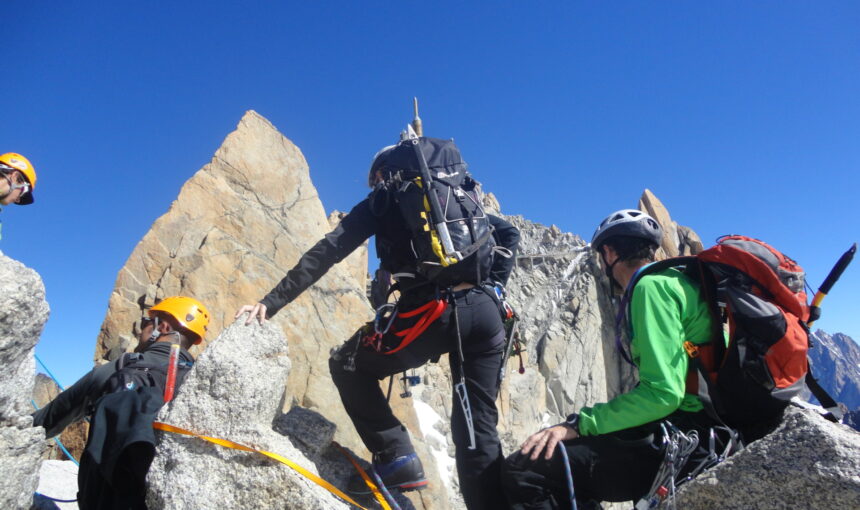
(133, 373)
(451, 233)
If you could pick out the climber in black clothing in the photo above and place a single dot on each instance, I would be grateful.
(428, 321)
(121, 443)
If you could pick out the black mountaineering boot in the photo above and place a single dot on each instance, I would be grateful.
(405, 473)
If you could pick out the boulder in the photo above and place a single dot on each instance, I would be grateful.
(235, 392)
(23, 313)
(807, 462)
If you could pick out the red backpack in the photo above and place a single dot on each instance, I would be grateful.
(757, 293)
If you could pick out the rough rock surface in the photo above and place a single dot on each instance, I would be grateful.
(807, 462)
(238, 225)
(23, 313)
(234, 391)
(74, 438)
(677, 240)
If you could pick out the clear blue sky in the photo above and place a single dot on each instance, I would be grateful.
(743, 117)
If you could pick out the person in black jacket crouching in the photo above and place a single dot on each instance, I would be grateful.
(121, 399)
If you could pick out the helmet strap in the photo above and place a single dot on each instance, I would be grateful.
(608, 271)
(155, 333)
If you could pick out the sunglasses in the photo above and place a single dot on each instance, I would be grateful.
(146, 321)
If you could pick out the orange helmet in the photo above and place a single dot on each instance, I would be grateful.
(22, 164)
(188, 312)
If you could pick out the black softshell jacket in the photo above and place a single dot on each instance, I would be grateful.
(121, 442)
(392, 246)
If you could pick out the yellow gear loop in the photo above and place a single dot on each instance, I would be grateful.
(236, 446)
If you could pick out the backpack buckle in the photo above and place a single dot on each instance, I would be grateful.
(692, 349)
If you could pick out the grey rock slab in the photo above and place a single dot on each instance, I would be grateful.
(235, 392)
(23, 313)
(807, 462)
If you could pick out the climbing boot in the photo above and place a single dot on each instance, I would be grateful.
(405, 473)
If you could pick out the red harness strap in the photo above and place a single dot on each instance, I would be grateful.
(432, 311)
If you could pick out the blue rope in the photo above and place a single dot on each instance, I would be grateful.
(57, 440)
(55, 499)
(569, 475)
(384, 489)
(49, 372)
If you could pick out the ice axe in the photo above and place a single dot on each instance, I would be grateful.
(835, 273)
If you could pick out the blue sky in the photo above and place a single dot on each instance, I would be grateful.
(742, 117)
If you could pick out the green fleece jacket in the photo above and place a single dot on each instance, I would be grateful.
(665, 310)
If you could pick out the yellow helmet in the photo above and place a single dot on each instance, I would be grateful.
(19, 162)
(188, 312)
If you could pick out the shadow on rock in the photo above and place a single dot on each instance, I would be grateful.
(312, 434)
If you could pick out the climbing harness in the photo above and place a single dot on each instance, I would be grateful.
(237, 446)
(568, 475)
(677, 447)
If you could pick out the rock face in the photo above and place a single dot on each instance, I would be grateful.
(74, 438)
(238, 225)
(235, 392)
(807, 462)
(23, 313)
(835, 361)
(677, 240)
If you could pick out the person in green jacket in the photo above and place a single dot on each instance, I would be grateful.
(614, 448)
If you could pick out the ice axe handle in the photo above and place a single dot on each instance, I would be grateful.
(831, 279)
(838, 269)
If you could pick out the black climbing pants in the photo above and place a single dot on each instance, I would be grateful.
(482, 335)
(619, 466)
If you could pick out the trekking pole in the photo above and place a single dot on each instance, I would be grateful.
(835, 273)
(172, 364)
